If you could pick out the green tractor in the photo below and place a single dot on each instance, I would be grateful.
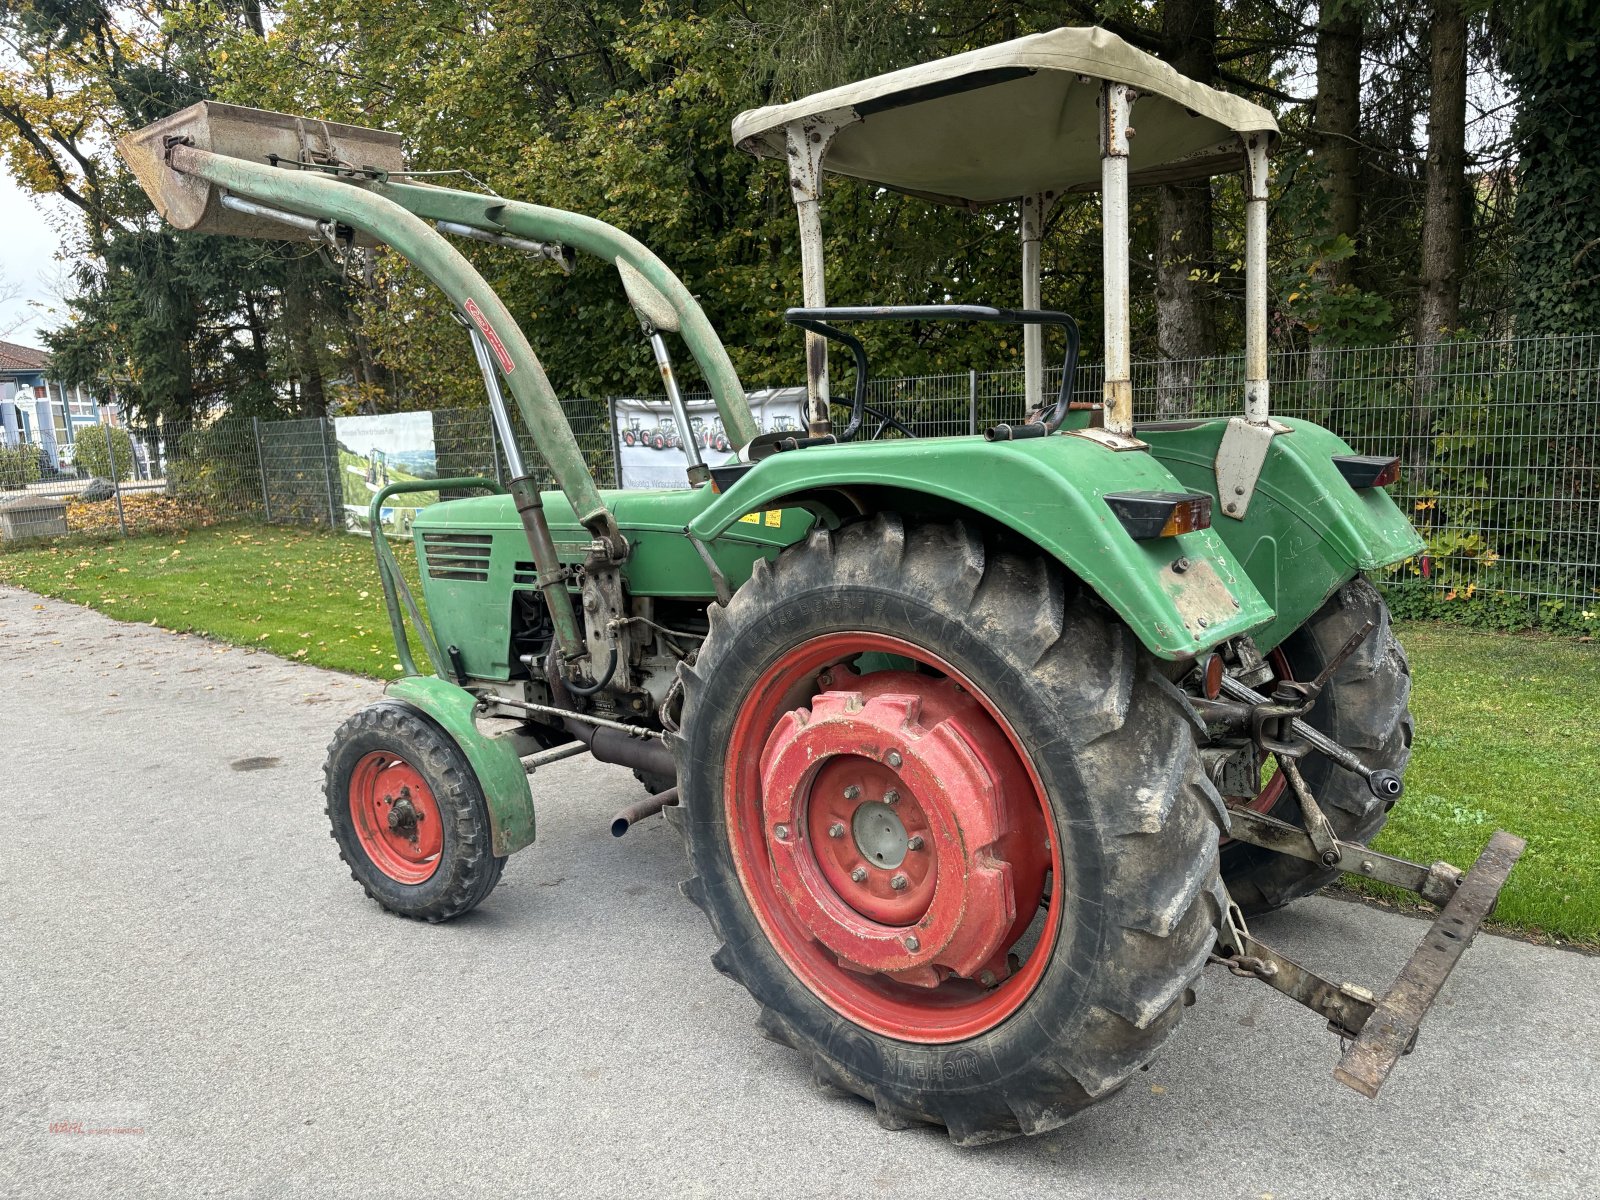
(982, 747)
(377, 469)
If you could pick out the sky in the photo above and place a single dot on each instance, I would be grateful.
(28, 247)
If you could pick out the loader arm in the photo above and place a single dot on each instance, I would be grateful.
(492, 214)
(314, 194)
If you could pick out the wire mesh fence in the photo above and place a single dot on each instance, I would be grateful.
(1499, 439)
(136, 479)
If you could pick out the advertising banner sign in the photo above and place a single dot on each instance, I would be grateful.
(379, 450)
(650, 446)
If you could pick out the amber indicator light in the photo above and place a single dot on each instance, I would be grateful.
(1147, 515)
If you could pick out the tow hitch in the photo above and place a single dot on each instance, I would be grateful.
(1379, 1030)
(1382, 1029)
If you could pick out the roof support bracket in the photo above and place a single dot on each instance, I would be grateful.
(806, 143)
(1240, 455)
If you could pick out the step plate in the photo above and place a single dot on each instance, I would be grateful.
(1392, 1028)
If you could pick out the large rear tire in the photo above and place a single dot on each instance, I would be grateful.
(1093, 756)
(1363, 708)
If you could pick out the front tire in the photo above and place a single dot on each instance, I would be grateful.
(1096, 760)
(408, 814)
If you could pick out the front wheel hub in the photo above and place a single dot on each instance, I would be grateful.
(396, 817)
(886, 808)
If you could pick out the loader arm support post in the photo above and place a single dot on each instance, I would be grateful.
(1035, 208)
(494, 215)
(1255, 279)
(1243, 450)
(807, 145)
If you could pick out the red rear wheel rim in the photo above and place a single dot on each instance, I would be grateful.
(396, 818)
(1265, 800)
(901, 912)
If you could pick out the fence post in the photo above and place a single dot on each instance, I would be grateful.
(616, 443)
(116, 487)
(261, 465)
(330, 471)
(972, 400)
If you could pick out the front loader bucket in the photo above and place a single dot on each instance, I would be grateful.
(254, 135)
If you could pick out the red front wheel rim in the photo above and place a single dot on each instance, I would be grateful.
(396, 818)
(893, 838)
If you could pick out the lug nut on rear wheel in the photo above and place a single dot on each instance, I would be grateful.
(898, 883)
(859, 874)
(836, 830)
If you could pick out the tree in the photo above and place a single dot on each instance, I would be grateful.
(1552, 62)
(1444, 205)
(97, 445)
(1185, 324)
(1336, 125)
(186, 323)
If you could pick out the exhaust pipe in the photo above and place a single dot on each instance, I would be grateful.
(607, 743)
(613, 746)
(636, 812)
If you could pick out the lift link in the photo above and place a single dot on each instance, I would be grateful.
(1382, 1030)
(1436, 883)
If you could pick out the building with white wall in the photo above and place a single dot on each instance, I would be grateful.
(39, 411)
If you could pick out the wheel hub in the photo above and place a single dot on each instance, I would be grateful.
(887, 807)
(396, 817)
(403, 817)
(880, 835)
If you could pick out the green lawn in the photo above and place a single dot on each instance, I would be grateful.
(1507, 732)
(1508, 737)
(313, 596)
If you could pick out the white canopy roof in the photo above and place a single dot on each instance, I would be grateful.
(1017, 118)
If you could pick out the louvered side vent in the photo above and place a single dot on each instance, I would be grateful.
(459, 556)
(525, 575)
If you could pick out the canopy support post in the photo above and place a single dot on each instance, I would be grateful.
(1243, 449)
(1035, 208)
(1116, 109)
(1255, 278)
(807, 144)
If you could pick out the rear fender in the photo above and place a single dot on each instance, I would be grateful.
(1306, 530)
(494, 760)
(1179, 595)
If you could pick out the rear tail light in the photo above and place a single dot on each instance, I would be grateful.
(1367, 470)
(1147, 515)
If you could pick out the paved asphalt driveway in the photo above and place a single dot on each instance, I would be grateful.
(182, 953)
